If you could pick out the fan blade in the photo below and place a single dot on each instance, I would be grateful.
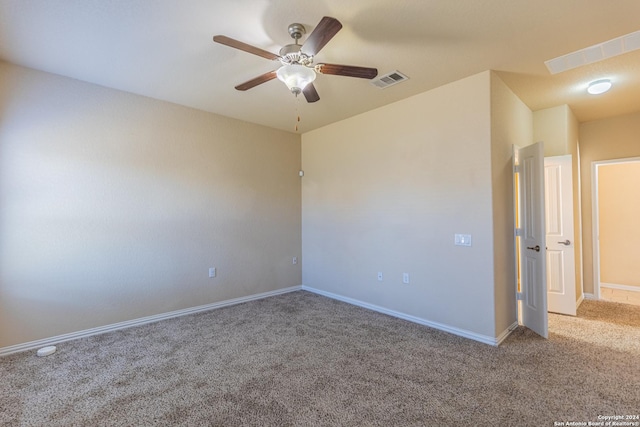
(320, 36)
(227, 41)
(347, 70)
(257, 81)
(310, 93)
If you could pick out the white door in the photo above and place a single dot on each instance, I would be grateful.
(532, 253)
(561, 273)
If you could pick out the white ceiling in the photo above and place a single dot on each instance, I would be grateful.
(164, 49)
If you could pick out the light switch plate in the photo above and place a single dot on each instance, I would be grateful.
(462, 240)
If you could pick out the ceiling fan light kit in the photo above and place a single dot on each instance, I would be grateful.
(296, 77)
(297, 70)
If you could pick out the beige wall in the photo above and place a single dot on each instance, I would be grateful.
(558, 128)
(113, 206)
(387, 190)
(551, 126)
(511, 124)
(607, 139)
(618, 215)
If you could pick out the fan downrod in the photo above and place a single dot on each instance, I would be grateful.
(291, 53)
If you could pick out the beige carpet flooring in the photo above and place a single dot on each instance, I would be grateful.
(300, 359)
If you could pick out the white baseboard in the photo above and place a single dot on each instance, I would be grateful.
(579, 301)
(141, 321)
(590, 296)
(503, 336)
(495, 341)
(621, 287)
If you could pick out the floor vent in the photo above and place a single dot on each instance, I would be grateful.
(389, 79)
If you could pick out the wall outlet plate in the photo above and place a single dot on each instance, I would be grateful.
(212, 272)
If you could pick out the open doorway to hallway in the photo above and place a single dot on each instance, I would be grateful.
(616, 209)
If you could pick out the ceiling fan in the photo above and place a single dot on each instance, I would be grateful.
(297, 70)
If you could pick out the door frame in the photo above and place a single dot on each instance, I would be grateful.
(595, 215)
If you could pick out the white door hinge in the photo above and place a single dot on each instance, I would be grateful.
(519, 296)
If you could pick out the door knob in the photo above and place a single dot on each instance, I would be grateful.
(566, 242)
(534, 248)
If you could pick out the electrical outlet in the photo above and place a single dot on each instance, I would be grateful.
(405, 278)
(379, 276)
(212, 272)
(294, 261)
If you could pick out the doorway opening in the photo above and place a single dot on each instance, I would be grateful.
(616, 273)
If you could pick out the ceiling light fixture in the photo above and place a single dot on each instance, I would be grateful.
(599, 86)
(296, 77)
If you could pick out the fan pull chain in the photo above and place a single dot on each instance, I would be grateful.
(297, 112)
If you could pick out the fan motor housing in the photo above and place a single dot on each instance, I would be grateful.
(290, 50)
(291, 54)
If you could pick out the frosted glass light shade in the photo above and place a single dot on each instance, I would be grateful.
(599, 86)
(295, 76)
